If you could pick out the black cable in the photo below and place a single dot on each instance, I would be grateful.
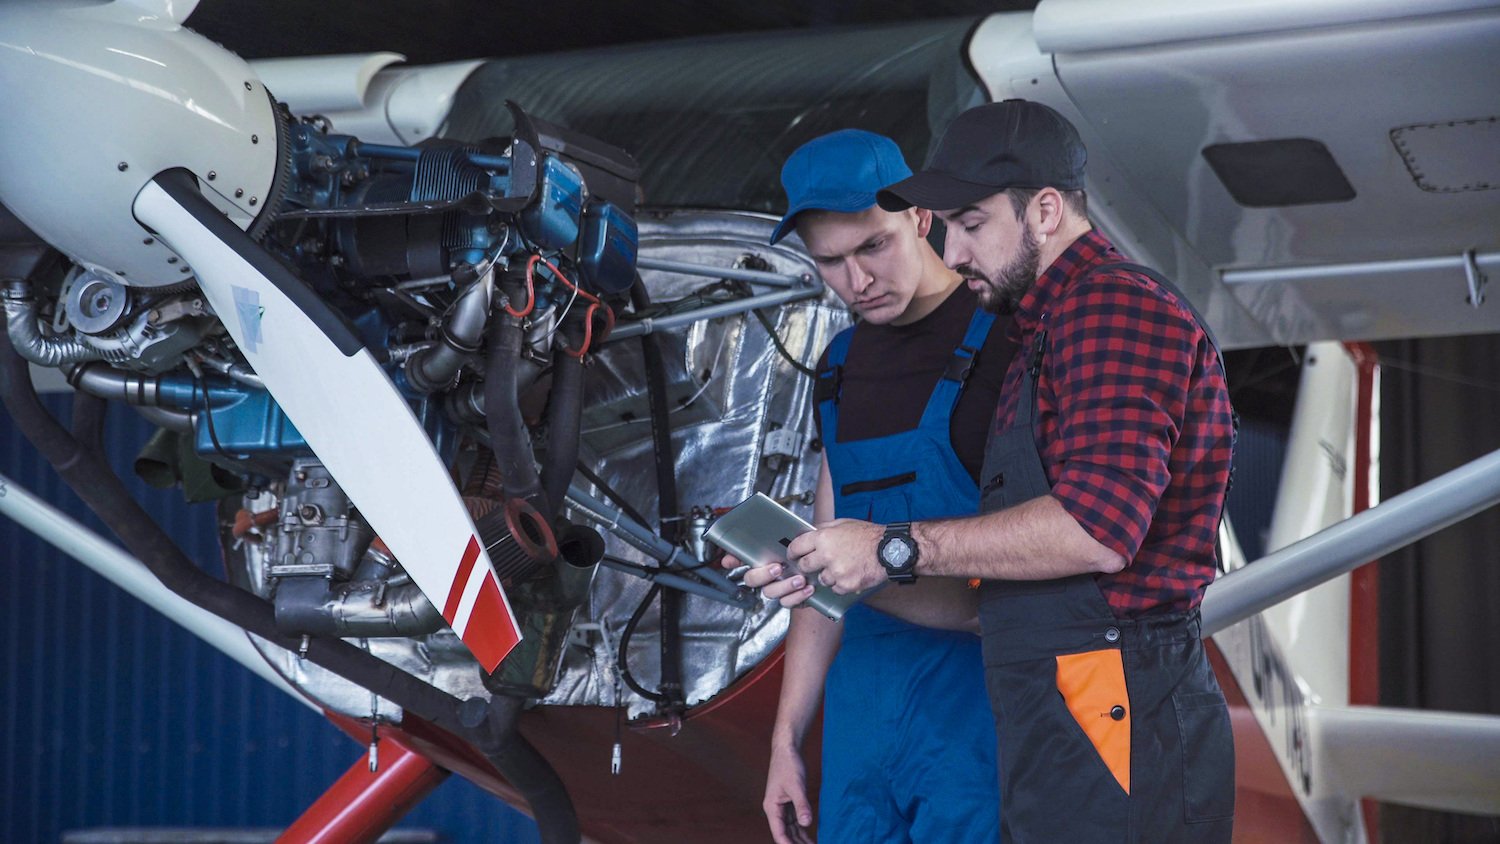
(243, 465)
(88, 421)
(649, 572)
(661, 423)
(609, 492)
(208, 410)
(624, 647)
(776, 341)
(706, 295)
(670, 524)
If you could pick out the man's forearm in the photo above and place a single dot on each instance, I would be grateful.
(811, 643)
(1034, 540)
(943, 602)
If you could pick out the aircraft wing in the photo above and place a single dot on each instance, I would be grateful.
(1306, 171)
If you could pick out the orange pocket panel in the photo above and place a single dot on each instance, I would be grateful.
(1093, 687)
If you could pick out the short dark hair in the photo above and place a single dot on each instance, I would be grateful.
(1076, 200)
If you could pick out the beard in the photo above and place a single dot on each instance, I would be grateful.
(1002, 294)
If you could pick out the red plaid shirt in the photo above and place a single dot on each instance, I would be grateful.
(1133, 423)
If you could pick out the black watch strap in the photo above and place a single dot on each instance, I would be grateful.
(897, 553)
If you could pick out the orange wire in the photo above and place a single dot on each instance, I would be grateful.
(588, 328)
(588, 335)
(564, 279)
(594, 306)
(530, 291)
(609, 321)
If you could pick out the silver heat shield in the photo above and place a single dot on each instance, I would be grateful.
(728, 387)
(737, 389)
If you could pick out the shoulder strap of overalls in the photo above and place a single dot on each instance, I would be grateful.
(1176, 294)
(830, 377)
(1208, 332)
(829, 383)
(956, 373)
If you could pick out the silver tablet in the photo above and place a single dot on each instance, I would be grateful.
(758, 531)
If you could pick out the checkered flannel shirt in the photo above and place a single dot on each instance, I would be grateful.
(1133, 420)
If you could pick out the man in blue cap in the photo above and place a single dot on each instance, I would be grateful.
(904, 400)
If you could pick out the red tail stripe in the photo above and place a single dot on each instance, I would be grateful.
(465, 568)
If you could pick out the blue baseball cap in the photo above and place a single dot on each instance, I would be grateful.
(840, 171)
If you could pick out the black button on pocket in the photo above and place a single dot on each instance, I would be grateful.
(1117, 713)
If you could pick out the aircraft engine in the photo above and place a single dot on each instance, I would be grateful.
(245, 278)
(352, 346)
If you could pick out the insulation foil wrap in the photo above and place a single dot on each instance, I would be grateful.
(727, 388)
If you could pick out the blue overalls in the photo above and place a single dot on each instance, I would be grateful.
(908, 737)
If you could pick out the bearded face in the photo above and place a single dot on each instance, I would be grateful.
(1000, 289)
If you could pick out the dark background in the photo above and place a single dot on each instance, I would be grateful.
(446, 30)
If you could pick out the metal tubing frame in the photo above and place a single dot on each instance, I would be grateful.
(680, 583)
(1410, 516)
(1318, 272)
(739, 306)
(645, 540)
(769, 279)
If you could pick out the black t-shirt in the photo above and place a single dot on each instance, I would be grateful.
(891, 371)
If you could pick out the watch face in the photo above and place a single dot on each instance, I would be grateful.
(895, 552)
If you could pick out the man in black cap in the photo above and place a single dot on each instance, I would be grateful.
(1102, 489)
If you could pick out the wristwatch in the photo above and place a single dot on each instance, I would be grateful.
(898, 553)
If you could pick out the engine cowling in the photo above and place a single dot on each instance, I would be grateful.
(114, 94)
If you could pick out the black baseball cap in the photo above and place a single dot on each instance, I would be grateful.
(1009, 144)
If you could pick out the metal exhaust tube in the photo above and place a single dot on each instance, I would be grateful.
(27, 339)
(357, 608)
(434, 367)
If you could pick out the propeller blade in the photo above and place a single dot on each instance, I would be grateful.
(345, 406)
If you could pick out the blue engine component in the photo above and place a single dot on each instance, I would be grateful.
(552, 220)
(243, 422)
(246, 422)
(240, 421)
(607, 248)
(360, 219)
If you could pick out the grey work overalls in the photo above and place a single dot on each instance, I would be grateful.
(1110, 729)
